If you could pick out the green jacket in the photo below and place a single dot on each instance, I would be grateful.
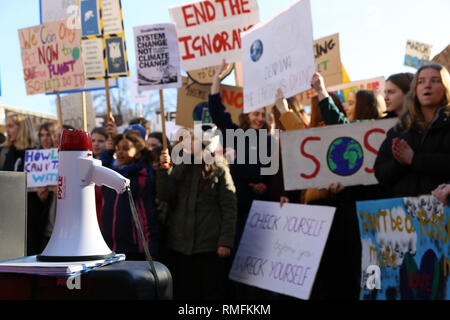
(198, 220)
(330, 112)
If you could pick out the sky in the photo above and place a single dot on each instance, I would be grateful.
(372, 35)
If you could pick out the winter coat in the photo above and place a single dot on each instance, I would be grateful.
(430, 165)
(203, 214)
(118, 227)
(12, 158)
(246, 173)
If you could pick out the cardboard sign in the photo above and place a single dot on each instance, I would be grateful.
(314, 158)
(278, 53)
(51, 58)
(417, 54)
(343, 90)
(41, 167)
(192, 103)
(327, 55)
(157, 60)
(281, 248)
(104, 47)
(443, 58)
(209, 31)
(407, 239)
(71, 109)
(205, 76)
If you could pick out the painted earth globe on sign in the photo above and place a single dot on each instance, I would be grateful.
(256, 50)
(345, 156)
(201, 113)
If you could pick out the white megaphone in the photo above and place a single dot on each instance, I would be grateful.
(76, 234)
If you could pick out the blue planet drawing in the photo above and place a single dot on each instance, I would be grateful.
(256, 50)
(345, 156)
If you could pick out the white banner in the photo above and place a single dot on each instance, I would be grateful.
(278, 53)
(157, 60)
(281, 248)
(209, 31)
(316, 157)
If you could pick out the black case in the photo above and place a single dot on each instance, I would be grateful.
(125, 280)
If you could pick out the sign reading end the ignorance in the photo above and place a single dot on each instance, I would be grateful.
(209, 31)
(281, 248)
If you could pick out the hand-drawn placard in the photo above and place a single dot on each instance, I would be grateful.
(209, 31)
(192, 103)
(51, 58)
(408, 240)
(278, 53)
(417, 54)
(281, 248)
(327, 56)
(314, 158)
(342, 90)
(41, 166)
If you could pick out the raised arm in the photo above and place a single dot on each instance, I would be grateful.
(328, 109)
(216, 108)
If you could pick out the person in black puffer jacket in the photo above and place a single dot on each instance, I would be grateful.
(415, 156)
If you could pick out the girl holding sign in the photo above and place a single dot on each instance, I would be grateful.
(414, 158)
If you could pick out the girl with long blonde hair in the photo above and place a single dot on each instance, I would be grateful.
(20, 136)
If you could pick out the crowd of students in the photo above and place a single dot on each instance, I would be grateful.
(193, 214)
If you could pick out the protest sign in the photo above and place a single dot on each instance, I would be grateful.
(205, 76)
(41, 167)
(417, 54)
(407, 239)
(343, 90)
(209, 31)
(51, 10)
(278, 53)
(138, 96)
(157, 60)
(104, 47)
(51, 58)
(443, 58)
(281, 248)
(71, 109)
(192, 103)
(327, 56)
(314, 158)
